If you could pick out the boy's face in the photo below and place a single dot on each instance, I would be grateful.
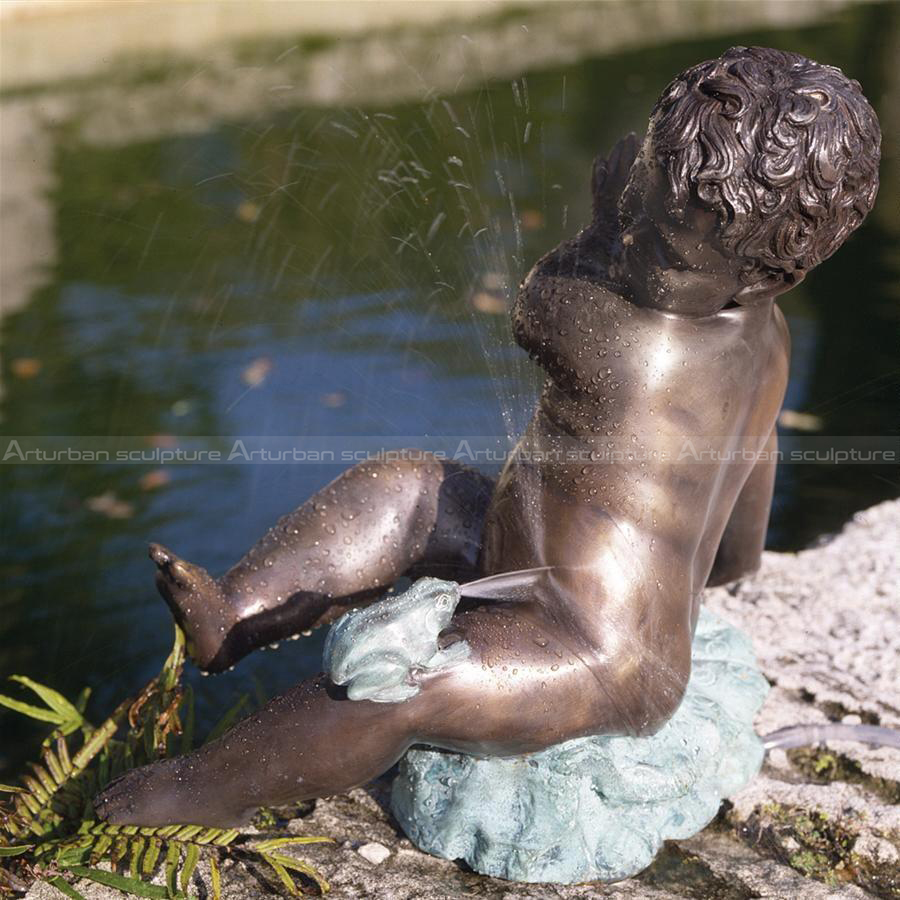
(677, 264)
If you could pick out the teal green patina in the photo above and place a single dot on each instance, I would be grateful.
(600, 807)
(377, 652)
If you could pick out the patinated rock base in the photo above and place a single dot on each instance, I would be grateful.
(595, 808)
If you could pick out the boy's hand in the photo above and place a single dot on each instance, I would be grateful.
(608, 179)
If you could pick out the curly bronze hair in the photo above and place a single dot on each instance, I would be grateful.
(786, 151)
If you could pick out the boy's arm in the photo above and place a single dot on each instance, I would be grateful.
(566, 286)
(740, 549)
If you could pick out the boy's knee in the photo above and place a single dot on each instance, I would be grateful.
(395, 474)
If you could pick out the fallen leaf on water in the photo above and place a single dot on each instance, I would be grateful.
(492, 281)
(799, 421)
(248, 211)
(532, 219)
(489, 295)
(155, 479)
(162, 440)
(109, 505)
(334, 399)
(255, 374)
(486, 302)
(25, 367)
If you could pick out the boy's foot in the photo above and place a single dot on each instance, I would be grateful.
(198, 605)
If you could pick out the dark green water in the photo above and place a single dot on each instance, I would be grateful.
(331, 255)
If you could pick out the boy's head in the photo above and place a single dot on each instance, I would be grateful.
(756, 167)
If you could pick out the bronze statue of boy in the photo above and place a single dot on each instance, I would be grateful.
(657, 327)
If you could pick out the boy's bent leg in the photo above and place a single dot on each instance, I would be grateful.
(342, 547)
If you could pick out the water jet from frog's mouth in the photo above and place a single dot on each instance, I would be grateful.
(513, 585)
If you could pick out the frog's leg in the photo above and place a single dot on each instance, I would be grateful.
(341, 548)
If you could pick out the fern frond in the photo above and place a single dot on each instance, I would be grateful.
(215, 880)
(283, 875)
(151, 857)
(11, 789)
(121, 882)
(227, 720)
(173, 857)
(54, 765)
(57, 711)
(53, 699)
(47, 825)
(191, 858)
(65, 888)
(275, 843)
(297, 865)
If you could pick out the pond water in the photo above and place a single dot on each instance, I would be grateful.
(340, 272)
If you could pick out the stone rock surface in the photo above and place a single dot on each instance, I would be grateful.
(816, 823)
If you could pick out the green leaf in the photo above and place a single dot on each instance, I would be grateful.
(55, 767)
(138, 845)
(75, 855)
(119, 851)
(29, 802)
(275, 843)
(36, 788)
(64, 887)
(173, 855)
(62, 751)
(208, 835)
(215, 879)
(11, 789)
(171, 671)
(40, 713)
(44, 777)
(96, 742)
(15, 851)
(226, 837)
(187, 728)
(103, 843)
(152, 855)
(191, 858)
(289, 862)
(282, 873)
(53, 699)
(121, 882)
(81, 702)
(227, 720)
